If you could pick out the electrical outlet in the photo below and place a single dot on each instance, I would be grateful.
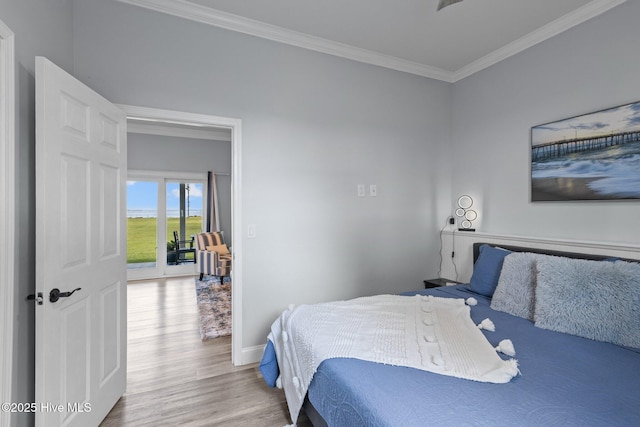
(361, 192)
(452, 220)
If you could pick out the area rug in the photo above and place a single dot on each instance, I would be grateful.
(214, 307)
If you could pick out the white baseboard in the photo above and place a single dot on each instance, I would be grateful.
(250, 355)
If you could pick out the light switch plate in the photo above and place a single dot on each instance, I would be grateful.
(361, 192)
(373, 190)
(251, 231)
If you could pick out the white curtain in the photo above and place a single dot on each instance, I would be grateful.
(213, 217)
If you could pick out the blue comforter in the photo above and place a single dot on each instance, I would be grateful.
(565, 381)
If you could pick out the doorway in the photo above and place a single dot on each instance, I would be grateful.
(176, 118)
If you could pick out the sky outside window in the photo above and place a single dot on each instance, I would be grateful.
(142, 199)
(193, 202)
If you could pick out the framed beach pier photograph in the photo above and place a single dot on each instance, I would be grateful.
(594, 156)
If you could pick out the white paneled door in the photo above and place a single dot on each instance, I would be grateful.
(80, 251)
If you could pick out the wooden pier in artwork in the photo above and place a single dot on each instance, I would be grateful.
(576, 145)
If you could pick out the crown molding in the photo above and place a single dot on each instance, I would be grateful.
(206, 15)
(564, 23)
(194, 12)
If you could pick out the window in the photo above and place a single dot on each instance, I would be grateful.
(184, 216)
(160, 207)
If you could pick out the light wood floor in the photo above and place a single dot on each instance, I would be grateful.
(174, 378)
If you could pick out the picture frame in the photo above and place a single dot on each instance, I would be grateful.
(594, 156)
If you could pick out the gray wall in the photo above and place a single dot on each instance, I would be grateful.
(593, 66)
(168, 153)
(313, 126)
(41, 27)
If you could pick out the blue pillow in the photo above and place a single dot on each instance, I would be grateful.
(269, 365)
(486, 270)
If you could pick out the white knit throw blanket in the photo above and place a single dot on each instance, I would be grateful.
(424, 332)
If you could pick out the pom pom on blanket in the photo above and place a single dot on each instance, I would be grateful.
(512, 367)
(471, 301)
(487, 324)
(506, 347)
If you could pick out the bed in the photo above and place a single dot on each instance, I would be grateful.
(573, 320)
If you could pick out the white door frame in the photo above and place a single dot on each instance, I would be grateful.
(235, 125)
(7, 213)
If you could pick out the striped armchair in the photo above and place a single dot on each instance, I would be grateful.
(213, 257)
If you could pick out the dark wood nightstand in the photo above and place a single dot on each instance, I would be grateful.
(434, 283)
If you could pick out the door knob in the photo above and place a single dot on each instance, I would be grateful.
(55, 294)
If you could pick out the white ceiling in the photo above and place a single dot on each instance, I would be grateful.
(406, 35)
